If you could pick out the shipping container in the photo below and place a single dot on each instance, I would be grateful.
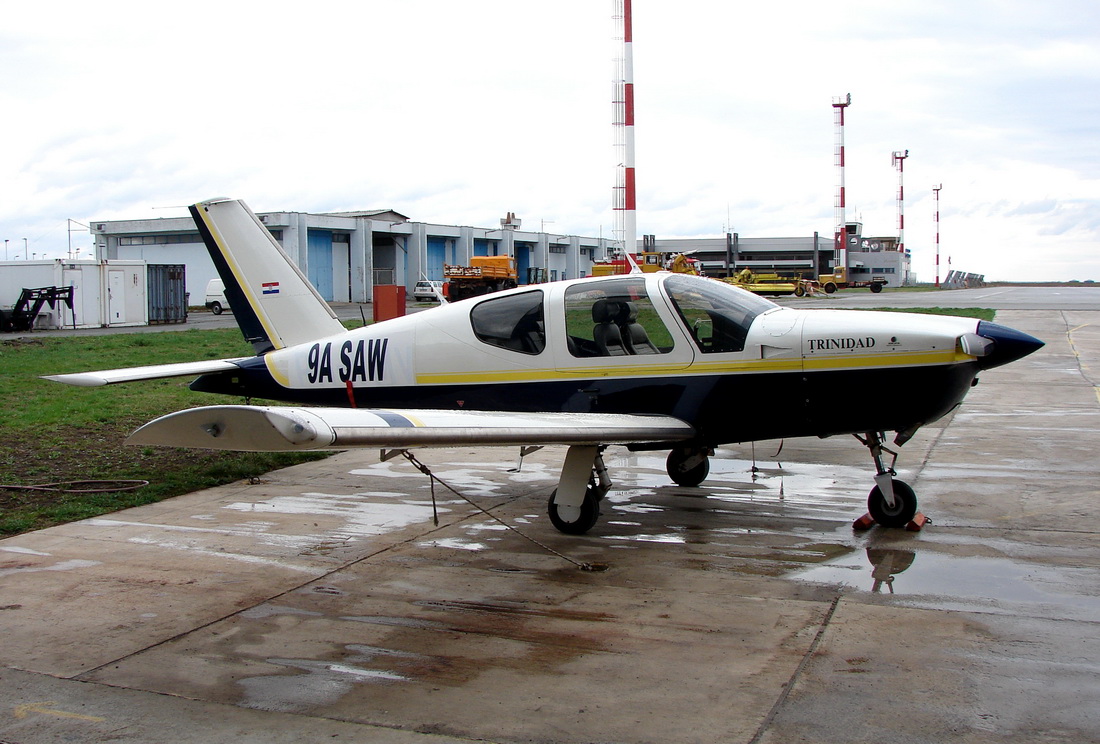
(167, 293)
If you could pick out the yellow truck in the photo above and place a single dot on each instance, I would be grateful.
(485, 274)
(839, 280)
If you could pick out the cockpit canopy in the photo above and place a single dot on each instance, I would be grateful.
(618, 316)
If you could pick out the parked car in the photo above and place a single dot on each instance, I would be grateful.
(425, 291)
(215, 297)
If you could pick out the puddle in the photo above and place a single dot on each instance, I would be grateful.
(670, 538)
(23, 551)
(68, 565)
(323, 682)
(938, 581)
(260, 612)
(738, 480)
(361, 515)
(454, 543)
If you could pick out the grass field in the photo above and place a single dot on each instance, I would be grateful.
(981, 313)
(51, 432)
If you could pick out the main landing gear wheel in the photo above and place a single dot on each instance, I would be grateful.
(688, 467)
(590, 513)
(898, 515)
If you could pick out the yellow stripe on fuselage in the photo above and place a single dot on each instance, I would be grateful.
(279, 377)
(756, 366)
(897, 359)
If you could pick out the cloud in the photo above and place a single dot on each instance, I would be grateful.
(458, 113)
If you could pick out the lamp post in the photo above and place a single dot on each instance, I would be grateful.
(936, 193)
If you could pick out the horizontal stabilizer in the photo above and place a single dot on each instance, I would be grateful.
(280, 429)
(152, 372)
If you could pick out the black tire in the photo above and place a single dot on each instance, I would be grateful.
(216, 308)
(830, 288)
(683, 473)
(876, 287)
(799, 290)
(590, 514)
(903, 511)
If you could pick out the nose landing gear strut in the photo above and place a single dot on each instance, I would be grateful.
(891, 502)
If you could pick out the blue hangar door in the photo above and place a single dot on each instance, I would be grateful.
(437, 256)
(523, 261)
(319, 261)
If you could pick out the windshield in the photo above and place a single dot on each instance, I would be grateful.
(716, 315)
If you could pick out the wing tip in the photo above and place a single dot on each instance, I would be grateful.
(79, 379)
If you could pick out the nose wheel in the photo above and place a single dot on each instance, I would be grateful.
(897, 514)
(891, 503)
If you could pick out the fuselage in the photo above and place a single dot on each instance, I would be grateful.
(735, 366)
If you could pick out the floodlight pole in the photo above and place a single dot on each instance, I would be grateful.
(936, 218)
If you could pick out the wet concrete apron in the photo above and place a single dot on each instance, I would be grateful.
(324, 602)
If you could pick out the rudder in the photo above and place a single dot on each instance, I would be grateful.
(273, 302)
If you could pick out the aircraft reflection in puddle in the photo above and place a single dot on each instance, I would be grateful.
(886, 564)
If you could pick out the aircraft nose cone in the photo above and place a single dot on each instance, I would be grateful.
(1008, 344)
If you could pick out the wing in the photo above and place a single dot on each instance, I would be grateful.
(279, 428)
(152, 372)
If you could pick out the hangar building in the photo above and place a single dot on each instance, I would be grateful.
(345, 254)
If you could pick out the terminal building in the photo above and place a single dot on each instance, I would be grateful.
(806, 257)
(346, 254)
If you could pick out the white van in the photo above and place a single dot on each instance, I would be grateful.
(426, 291)
(215, 297)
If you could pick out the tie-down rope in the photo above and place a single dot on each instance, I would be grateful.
(435, 516)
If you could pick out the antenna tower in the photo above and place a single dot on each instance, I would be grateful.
(840, 243)
(623, 195)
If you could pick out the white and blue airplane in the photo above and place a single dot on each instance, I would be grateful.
(657, 361)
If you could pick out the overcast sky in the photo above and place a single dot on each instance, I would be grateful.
(458, 112)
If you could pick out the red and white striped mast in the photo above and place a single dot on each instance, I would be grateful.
(936, 195)
(840, 242)
(898, 159)
(623, 197)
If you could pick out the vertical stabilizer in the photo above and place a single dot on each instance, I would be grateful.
(273, 302)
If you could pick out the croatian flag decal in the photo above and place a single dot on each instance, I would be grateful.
(270, 287)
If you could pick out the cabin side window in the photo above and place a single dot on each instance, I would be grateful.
(716, 315)
(513, 322)
(614, 318)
